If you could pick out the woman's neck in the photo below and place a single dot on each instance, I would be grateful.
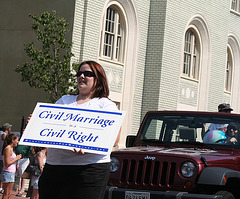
(10, 146)
(83, 98)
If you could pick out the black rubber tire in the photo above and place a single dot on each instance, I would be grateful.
(225, 195)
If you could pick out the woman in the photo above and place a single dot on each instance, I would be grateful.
(9, 161)
(40, 159)
(22, 165)
(79, 175)
(6, 129)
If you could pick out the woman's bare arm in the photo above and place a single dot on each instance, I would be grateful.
(7, 154)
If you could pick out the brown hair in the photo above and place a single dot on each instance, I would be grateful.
(100, 88)
(8, 140)
(37, 149)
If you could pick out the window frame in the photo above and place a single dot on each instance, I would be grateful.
(192, 50)
(229, 70)
(115, 55)
(235, 5)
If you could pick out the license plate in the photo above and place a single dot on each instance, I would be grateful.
(137, 195)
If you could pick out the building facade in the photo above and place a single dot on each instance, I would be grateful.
(158, 54)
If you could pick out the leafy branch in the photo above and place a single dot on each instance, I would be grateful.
(49, 67)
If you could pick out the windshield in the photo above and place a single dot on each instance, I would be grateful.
(184, 128)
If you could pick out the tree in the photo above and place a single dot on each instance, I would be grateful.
(50, 66)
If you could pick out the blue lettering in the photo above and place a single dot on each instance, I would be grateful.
(76, 118)
(96, 120)
(73, 134)
(90, 137)
(50, 115)
(60, 134)
(80, 137)
(40, 115)
(81, 140)
(71, 117)
(95, 139)
(41, 133)
(86, 119)
(111, 122)
(51, 133)
(59, 116)
(100, 121)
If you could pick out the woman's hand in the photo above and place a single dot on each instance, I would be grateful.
(233, 139)
(80, 152)
(39, 158)
(118, 138)
(27, 121)
(18, 157)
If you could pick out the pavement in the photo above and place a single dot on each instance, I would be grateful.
(13, 196)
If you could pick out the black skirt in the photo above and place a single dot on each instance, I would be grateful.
(75, 182)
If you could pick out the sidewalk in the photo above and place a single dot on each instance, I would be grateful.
(13, 196)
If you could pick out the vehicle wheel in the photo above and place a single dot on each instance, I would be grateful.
(225, 195)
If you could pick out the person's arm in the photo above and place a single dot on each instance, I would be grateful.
(7, 154)
(118, 138)
(27, 121)
(211, 127)
(3, 136)
(39, 158)
(231, 140)
(204, 132)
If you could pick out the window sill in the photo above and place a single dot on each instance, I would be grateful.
(227, 92)
(235, 12)
(189, 79)
(110, 61)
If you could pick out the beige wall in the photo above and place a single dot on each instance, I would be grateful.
(17, 99)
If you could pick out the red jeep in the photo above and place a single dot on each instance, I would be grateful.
(180, 155)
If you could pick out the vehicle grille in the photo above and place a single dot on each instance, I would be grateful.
(151, 173)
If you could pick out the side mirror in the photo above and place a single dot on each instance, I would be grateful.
(130, 140)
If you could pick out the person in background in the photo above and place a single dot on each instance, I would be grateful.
(76, 174)
(9, 168)
(40, 159)
(222, 108)
(232, 133)
(6, 129)
(22, 164)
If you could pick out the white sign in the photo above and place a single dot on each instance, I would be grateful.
(69, 127)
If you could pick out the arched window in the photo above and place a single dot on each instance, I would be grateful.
(113, 35)
(232, 71)
(229, 69)
(191, 55)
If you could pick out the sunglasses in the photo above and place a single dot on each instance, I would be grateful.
(85, 73)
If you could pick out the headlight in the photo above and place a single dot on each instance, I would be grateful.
(188, 169)
(114, 164)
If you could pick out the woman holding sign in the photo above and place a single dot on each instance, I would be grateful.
(75, 174)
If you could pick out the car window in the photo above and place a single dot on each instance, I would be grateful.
(184, 128)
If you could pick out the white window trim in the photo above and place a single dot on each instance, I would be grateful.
(237, 9)
(232, 69)
(123, 17)
(183, 75)
(126, 97)
(200, 25)
(234, 44)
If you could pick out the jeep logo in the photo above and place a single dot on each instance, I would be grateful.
(149, 158)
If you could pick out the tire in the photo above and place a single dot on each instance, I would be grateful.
(225, 195)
